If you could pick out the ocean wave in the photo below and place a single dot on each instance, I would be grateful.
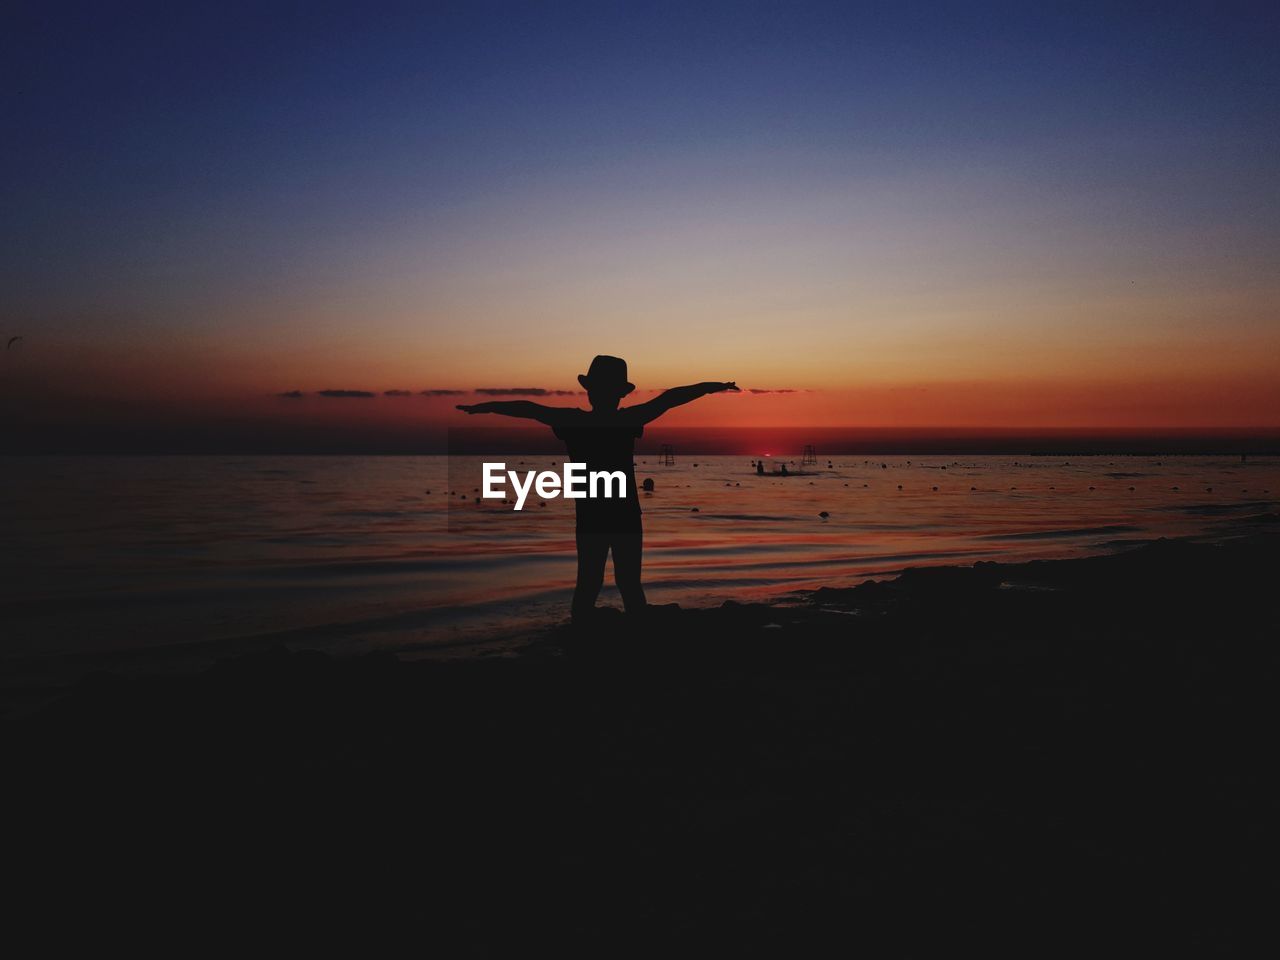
(1222, 509)
(1060, 534)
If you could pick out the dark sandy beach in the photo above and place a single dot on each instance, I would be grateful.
(1038, 758)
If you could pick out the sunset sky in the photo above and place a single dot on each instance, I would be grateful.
(903, 215)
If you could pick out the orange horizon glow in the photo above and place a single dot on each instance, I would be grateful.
(1147, 364)
(1243, 402)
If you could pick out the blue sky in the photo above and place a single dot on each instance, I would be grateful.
(188, 176)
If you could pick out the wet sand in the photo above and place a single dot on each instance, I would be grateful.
(1031, 758)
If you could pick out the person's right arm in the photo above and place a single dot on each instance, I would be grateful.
(527, 409)
(652, 409)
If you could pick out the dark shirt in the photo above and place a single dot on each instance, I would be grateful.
(605, 442)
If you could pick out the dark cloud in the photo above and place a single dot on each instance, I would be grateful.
(756, 390)
(484, 391)
(523, 392)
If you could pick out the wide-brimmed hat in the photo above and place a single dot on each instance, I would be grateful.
(607, 374)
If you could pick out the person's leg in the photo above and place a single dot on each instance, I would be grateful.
(627, 549)
(593, 550)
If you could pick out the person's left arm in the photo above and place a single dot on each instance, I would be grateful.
(676, 396)
(526, 409)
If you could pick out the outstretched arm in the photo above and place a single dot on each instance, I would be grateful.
(552, 416)
(652, 409)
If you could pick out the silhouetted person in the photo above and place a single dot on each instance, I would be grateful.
(604, 438)
(759, 468)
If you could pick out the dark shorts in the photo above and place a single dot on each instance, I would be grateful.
(609, 521)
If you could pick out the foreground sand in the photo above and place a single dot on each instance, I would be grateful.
(1035, 758)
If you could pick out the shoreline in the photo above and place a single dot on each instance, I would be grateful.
(44, 678)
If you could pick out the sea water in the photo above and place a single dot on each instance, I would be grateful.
(358, 553)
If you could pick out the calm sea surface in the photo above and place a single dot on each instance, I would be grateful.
(105, 554)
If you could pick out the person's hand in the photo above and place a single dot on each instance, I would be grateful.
(731, 385)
